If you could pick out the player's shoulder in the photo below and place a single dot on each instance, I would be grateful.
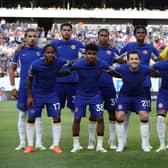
(144, 67)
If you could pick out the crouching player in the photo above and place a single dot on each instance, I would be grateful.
(132, 94)
(41, 86)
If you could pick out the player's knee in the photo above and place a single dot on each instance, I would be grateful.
(120, 116)
(31, 120)
(77, 120)
(112, 116)
(100, 119)
(92, 118)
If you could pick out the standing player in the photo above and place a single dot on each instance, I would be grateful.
(146, 52)
(25, 57)
(41, 92)
(132, 94)
(162, 104)
(67, 49)
(163, 55)
(107, 54)
(89, 70)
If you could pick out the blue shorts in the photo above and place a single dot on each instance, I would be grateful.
(125, 103)
(95, 105)
(66, 92)
(162, 100)
(51, 102)
(109, 98)
(147, 94)
(22, 99)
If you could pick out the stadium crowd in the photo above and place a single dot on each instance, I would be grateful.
(11, 34)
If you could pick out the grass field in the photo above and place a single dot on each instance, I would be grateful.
(133, 157)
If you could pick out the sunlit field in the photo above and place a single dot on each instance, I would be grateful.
(132, 157)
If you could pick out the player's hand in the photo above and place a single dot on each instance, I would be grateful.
(20, 46)
(30, 101)
(14, 94)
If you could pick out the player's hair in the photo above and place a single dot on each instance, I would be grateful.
(66, 24)
(29, 30)
(49, 45)
(133, 52)
(92, 47)
(140, 27)
(103, 30)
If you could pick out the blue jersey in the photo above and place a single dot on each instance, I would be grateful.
(88, 77)
(68, 51)
(108, 55)
(25, 57)
(162, 67)
(133, 82)
(44, 75)
(146, 51)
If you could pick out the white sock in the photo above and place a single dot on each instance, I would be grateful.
(126, 125)
(161, 129)
(144, 130)
(112, 132)
(39, 130)
(76, 142)
(120, 134)
(56, 131)
(92, 129)
(30, 134)
(99, 141)
(22, 127)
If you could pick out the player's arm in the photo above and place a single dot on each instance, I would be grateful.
(12, 70)
(154, 73)
(112, 70)
(64, 73)
(29, 92)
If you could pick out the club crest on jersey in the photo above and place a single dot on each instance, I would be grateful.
(38, 53)
(108, 52)
(145, 52)
(73, 47)
(160, 105)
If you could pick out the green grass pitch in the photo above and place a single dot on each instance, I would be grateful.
(133, 157)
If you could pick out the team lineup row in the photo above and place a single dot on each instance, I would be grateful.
(55, 75)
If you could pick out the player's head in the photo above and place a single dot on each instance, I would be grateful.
(91, 53)
(103, 37)
(49, 52)
(30, 37)
(66, 31)
(140, 33)
(134, 59)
